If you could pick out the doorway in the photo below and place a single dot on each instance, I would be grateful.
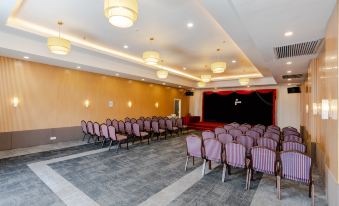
(177, 107)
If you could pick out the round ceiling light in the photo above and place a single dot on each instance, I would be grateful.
(218, 67)
(244, 81)
(151, 57)
(121, 13)
(201, 84)
(206, 78)
(58, 45)
(162, 74)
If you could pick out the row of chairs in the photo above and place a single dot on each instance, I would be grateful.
(292, 165)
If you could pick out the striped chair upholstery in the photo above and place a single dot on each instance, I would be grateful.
(235, 155)
(207, 135)
(128, 128)
(264, 160)
(225, 138)
(260, 126)
(84, 129)
(273, 131)
(97, 132)
(274, 127)
(293, 146)
(219, 130)
(147, 126)
(90, 128)
(291, 133)
(121, 126)
(104, 133)
(213, 150)
(253, 134)
(268, 143)
(272, 135)
(115, 124)
(248, 143)
(235, 132)
(293, 138)
(289, 128)
(194, 148)
(228, 127)
(259, 130)
(243, 129)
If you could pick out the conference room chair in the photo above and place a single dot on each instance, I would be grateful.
(84, 129)
(194, 148)
(236, 157)
(133, 121)
(140, 122)
(104, 134)
(162, 124)
(290, 129)
(296, 166)
(142, 118)
(174, 122)
(260, 126)
(274, 127)
(263, 160)
(293, 146)
(114, 137)
(127, 119)
(225, 138)
(207, 134)
(139, 134)
(148, 127)
(219, 130)
(158, 131)
(228, 127)
(90, 130)
(108, 122)
(234, 124)
(243, 129)
(290, 132)
(97, 133)
(170, 128)
(273, 131)
(272, 135)
(121, 126)
(181, 126)
(247, 142)
(293, 138)
(259, 130)
(268, 143)
(246, 125)
(115, 124)
(213, 152)
(148, 119)
(253, 134)
(128, 129)
(235, 133)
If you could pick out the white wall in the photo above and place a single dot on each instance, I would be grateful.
(287, 110)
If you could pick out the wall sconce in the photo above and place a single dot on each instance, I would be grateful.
(306, 108)
(15, 101)
(156, 105)
(315, 108)
(325, 108)
(110, 103)
(129, 104)
(86, 103)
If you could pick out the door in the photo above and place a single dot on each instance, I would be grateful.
(177, 107)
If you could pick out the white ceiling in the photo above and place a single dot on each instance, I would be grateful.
(245, 30)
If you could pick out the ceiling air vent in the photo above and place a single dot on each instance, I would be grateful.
(299, 49)
(293, 76)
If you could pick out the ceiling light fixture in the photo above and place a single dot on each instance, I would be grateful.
(289, 79)
(190, 25)
(289, 72)
(26, 57)
(117, 74)
(142, 79)
(184, 68)
(234, 61)
(219, 66)
(162, 74)
(163, 83)
(58, 45)
(151, 57)
(244, 81)
(201, 84)
(289, 33)
(288, 63)
(206, 78)
(120, 13)
(78, 67)
(125, 46)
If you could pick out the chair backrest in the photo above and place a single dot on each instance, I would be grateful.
(235, 155)
(121, 125)
(272, 135)
(140, 122)
(247, 141)
(108, 122)
(148, 119)
(194, 146)
(259, 130)
(293, 146)
(246, 125)
(264, 160)
(147, 125)
(207, 135)
(104, 131)
(155, 126)
(162, 124)
(253, 134)
(228, 127)
(267, 143)
(174, 122)
(179, 123)
(111, 133)
(273, 131)
(84, 126)
(142, 118)
(213, 150)
(260, 126)
(90, 128)
(133, 120)
(96, 126)
(127, 119)
(234, 124)
(293, 138)
(243, 128)
(136, 129)
(219, 130)
(115, 124)
(169, 124)
(128, 128)
(296, 166)
(290, 129)
(225, 138)
(274, 127)
(289, 132)
(235, 132)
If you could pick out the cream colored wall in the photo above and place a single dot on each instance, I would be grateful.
(53, 97)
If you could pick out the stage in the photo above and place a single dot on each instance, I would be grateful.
(205, 125)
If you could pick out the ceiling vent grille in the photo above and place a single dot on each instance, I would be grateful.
(292, 76)
(299, 49)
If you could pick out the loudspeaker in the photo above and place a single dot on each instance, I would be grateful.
(189, 93)
(293, 90)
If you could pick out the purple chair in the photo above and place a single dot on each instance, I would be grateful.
(170, 128)
(128, 129)
(225, 138)
(127, 119)
(90, 130)
(274, 127)
(291, 133)
(142, 118)
(235, 132)
(121, 126)
(140, 122)
(293, 138)
(133, 121)
(208, 135)
(246, 125)
(253, 134)
(234, 124)
(194, 148)
(228, 127)
(181, 126)
(174, 122)
(108, 122)
(260, 126)
(84, 129)
(219, 130)
(273, 131)
(289, 129)
(243, 129)
(259, 130)
(147, 126)
(104, 133)
(293, 146)
(298, 167)
(138, 134)
(236, 157)
(247, 142)
(116, 138)
(263, 160)
(162, 124)
(268, 143)
(148, 119)
(115, 124)
(157, 131)
(213, 152)
(97, 132)
(272, 135)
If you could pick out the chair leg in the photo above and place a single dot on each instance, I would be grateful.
(210, 165)
(223, 173)
(118, 146)
(84, 137)
(103, 142)
(313, 194)
(193, 160)
(229, 170)
(148, 140)
(203, 168)
(186, 162)
(249, 179)
(278, 190)
(110, 145)
(127, 145)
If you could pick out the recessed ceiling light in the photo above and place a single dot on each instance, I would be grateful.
(117, 74)
(163, 83)
(190, 25)
(289, 79)
(234, 61)
(288, 63)
(288, 33)
(179, 86)
(125, 46)
(78, 67)
(26, 57)
(184, 68)
(142, 79)
(289, 72)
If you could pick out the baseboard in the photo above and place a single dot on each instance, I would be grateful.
(29, 138)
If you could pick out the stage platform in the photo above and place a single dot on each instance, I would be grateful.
(205, 125)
